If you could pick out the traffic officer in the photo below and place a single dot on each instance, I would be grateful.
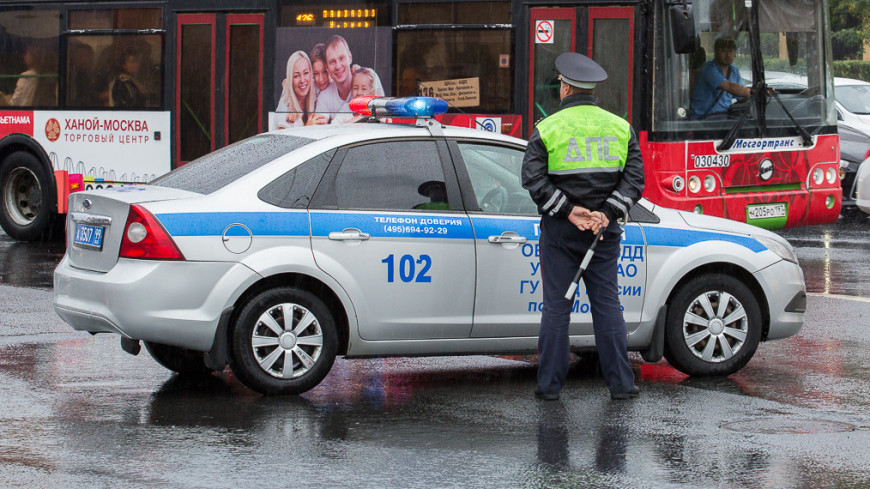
(584, 170)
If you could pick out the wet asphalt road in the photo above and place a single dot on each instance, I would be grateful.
(76, 411)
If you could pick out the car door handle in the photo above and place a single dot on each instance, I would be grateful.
(350, 234)
(508, 238)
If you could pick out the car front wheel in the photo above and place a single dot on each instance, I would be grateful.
(284, 342)
(713, 326)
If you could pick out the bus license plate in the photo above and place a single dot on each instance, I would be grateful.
(765, 211)
(88, 236)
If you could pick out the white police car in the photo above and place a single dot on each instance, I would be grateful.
(278, 253)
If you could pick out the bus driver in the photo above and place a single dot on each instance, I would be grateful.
(718, 82)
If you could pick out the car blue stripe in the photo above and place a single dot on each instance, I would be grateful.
(406, 225)
(484, 227)
(294, 223)
(656, 236)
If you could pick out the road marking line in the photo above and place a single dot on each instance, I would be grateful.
(839, 296)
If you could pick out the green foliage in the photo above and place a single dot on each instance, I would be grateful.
(859, 70)
(850, 25)
(850, 14)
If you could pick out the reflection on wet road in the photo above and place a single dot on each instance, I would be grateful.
(76, 411)
(29, 264)
(835, 258)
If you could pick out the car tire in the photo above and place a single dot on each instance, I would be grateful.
(704, 339)
(273, 356)
(26, 197)
(188, 363)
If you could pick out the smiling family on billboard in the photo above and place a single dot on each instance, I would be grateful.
(318, 71)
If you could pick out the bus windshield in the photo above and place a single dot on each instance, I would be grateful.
(689, 101)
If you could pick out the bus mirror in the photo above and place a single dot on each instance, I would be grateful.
(791, 46)
(683, 28)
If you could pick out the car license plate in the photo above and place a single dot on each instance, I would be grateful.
(765, 211)
(88, 236)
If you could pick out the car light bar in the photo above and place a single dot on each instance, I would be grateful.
(416, 107)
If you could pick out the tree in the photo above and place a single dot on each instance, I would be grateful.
(850, 25)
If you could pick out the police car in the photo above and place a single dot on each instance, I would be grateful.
(280, 252)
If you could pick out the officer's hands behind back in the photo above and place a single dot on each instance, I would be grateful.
(586, 220)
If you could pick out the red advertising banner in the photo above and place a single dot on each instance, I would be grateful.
(17, 121)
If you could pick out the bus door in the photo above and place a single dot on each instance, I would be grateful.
(605, 34)
(219, 81)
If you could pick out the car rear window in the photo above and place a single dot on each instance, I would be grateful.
(216, 170)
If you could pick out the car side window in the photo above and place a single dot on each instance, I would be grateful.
(494, 172)
(293, 190)
(398, 176)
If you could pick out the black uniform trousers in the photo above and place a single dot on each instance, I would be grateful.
(562, 248)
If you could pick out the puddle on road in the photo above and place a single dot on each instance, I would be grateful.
(29, 264)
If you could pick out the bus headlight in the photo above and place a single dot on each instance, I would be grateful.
(709, 183)
(678, 184)
(694, 184)
(818, 176)
(831, 175)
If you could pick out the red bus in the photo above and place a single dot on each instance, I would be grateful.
(114, 93)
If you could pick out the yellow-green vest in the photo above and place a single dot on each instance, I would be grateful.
(585, 139)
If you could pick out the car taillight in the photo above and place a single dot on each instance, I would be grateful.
(144, 238)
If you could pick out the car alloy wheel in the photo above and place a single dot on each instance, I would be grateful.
(287, 340)
(284, 341)
(713, 325)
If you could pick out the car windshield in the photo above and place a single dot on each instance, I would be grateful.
(216, 170)
(855, 98)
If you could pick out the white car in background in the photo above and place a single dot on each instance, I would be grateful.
(853, 103)
(853, 111)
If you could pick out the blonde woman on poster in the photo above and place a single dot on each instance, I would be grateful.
(296, 106)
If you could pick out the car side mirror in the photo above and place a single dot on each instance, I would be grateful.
(683, 28)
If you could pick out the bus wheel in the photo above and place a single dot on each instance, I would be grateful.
(713, 326)
(188, 363)
(25, 190)
(284, 341)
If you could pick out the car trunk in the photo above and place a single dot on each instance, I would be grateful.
(96, 222)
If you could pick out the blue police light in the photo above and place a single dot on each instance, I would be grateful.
(411, 107)
(416, 106)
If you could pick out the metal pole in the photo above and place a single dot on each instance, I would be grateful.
(586, 259)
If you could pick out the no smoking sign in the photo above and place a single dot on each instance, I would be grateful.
(543, 32)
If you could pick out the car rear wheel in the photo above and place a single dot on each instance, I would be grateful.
(283, 342)
(713, 326)
(185, 362)
(26, 193)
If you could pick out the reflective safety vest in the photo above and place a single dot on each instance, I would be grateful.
(585, 139)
